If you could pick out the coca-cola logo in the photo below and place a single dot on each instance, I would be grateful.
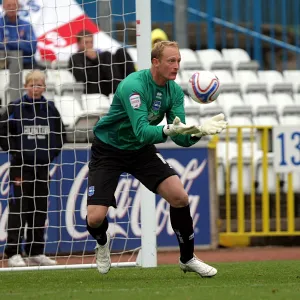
(75, 210)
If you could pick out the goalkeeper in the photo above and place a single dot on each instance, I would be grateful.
(124, 142)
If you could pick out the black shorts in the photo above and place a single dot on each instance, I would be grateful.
(108, 163)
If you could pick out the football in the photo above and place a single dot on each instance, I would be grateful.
(204, 87)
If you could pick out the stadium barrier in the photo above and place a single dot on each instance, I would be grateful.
(257, 201)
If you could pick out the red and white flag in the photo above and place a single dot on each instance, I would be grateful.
(56, 24)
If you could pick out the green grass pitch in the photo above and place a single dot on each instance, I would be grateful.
(244, 281)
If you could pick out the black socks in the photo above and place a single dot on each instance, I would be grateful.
(182, 225)
(99, 233)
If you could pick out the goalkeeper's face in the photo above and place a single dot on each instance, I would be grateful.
(168, 65)
(35, 88)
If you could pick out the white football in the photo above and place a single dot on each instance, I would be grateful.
(204, 87)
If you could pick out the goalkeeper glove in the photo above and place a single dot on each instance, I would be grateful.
(179, 128)
(212, 126)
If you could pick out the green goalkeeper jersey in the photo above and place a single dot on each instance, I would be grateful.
(138, 106)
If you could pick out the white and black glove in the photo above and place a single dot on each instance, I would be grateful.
(212, 126)
(179, 128)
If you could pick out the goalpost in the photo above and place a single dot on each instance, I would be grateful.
(133, 223)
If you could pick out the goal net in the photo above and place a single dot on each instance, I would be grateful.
(57, 25)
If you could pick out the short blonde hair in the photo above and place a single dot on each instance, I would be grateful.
(35, 75)
(159, 47)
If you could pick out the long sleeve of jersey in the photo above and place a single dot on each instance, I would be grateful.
(133, 101)
(178, 110)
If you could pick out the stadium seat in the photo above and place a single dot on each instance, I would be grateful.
(237, 120)
(265, 120)
(189, 60)
(280, 100)
(59, 78)
(24, 74)
(232, 104)
(274, 81)
(292, 76)
(75, 89)
(69, 109)
(249, 81)
(192, 120)
(271, 185)
(50, 91)
(296, 183)
(95, 103)
(4, 84)
(290, 120)
(240, 59)
(297, 98)
(256, 101)
(211, 109)
(212, 59)
(227, 81)
(191, 108)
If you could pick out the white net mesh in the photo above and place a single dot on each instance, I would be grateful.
(57, 25)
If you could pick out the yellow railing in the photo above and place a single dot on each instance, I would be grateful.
(248, 214)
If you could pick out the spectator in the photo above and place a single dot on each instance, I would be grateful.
(101, 72)
(32, 132)
(124, 62)
(17, 34)
(93, 68)
(158, 35)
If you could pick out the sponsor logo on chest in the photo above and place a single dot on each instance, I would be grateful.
(39, 131)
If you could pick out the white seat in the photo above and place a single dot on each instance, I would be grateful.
(255, 100)
(69, 109)
(186, 75)
(292, 76)
(24, 74)
(296, 183)
(224, 76)
(289, 120)
(191, 120)
(236, 56)
(228, 153)
(270, 78)
(244, 78)
(281, 100)
(221, 178)
(4, 84)
(59, 77)
(178, 79)
(230, 100)
(264, 120)
(95, 102)
(240, 121)
(191, 107)
(297, 99)
(271, 185)
(209, 57)
(188, 56)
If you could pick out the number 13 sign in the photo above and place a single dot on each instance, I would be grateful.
(286, 147)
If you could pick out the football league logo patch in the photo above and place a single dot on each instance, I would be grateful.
(91, 191)
(135, 100)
